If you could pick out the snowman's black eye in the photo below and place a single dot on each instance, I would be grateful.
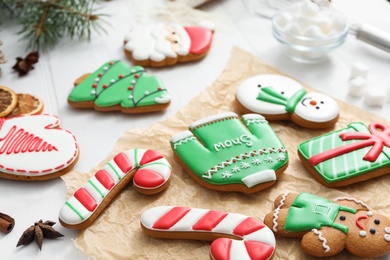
(377, 221)
(322, 102)
(282, 92)
(317, 107)
(372, 231)
(176, 42)
(173, 32)
(343, 218)
(259, 85)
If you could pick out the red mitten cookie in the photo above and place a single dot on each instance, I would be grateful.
(34, 148)
(234, 236)
(328, 227)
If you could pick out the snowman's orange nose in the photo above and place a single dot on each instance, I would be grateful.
(313, 102)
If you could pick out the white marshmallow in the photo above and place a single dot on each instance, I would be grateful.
(324, 24)
(359, 69)
(283, 19)
(357, 87)
(309, 8)
(313, 31)
(296, 9)
(375, 97)
(292, 28)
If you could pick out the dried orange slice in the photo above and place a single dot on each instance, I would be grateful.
(27, 105)
(8, 101)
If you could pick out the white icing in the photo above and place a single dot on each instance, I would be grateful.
(370, 214)
(259, 177)
(238, 251)
(160, 166)
(263, 235)
(212, 118)
(321, 238)
(387, 230)
(190, 219)
(46, 128)
(243, 139)
(387, 237)
(276, 211)
(93, 192)
(354, 200)
(150, 216)
(68, 216)
(363, 233)
(184, 41)
(229, 223)
(163, 99)
(181, 138)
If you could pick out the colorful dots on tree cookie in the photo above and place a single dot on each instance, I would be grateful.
(281, 98)
(349, 155)
(222, 152)
(234, 236)
(148, 169)
(163, 45)
(34, 148)
(118, 87)
(326, 227)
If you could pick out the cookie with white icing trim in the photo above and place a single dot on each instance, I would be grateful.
(326, 227)
(234, 236)
(278, 97)
(117, 87)
(222, 152)
(348, 155)
(34, 148)
(161, 45)
(149, 171)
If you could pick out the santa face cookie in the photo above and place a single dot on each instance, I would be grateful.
(234, 236)
(353, 154)
(328, 227)
(149, 171)
(225, 153)
(164, 45)
(118, 87)
(33, 148)
(280, 98)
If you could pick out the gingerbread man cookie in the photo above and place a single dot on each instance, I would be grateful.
(163, 45)
(34, 148)
(148, 169)
(349, 155)
(328, 227)
(224, 153)
(234, 236)
(280, 98)
(118, 87)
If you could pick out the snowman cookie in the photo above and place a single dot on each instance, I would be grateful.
(281, 98)
(327, 227)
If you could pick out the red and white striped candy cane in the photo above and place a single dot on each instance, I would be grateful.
(148, 169)
(252, 239)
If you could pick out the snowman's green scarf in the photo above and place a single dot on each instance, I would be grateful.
(270, 95)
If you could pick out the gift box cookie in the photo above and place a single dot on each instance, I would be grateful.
(349, 155)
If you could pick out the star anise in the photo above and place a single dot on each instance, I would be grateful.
(37, 232)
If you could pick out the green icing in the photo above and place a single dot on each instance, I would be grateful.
(309, 211)
(270, 95)
(347, 165)
(227, 150)
(116, 83)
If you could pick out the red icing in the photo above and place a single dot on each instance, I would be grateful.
(171, 218)
(148, 179)
(210, 220)
(105, 179)
(360, 226)
(248, 226)
(257, 250)
(123, 162)
(220, 249)
(16, 141)
(380, 136)
(85, 199)
(150, 156)
(200, 39)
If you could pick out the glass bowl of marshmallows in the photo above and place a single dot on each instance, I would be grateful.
(308, 32)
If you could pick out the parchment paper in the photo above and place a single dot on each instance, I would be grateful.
(117, 234)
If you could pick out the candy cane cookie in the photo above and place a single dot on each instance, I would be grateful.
(148, 169)
(234, 236)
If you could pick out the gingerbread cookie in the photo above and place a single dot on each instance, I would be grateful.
(148, 169)
(34, 148)
(349, 155)
(117, 87)
(163, 45)
(224, 153)
(280, 98)
(328, 227)
(234, 236)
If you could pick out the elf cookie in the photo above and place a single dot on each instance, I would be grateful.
(164, 45)
(34, 148)
(118, 87)
(224, 153)
(148, 169)
(353, 154)
(280, 98)
(328, 227)
(234, 236)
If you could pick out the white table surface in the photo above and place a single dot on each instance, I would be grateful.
(53, 78)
